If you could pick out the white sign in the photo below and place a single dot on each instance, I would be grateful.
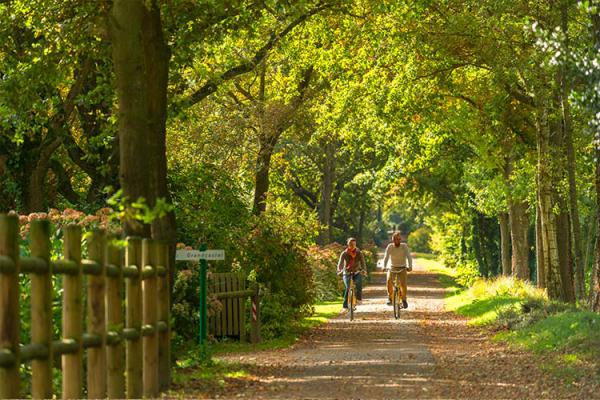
(212, 255)
(195, 255)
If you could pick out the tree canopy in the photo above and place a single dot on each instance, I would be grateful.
(474, 121)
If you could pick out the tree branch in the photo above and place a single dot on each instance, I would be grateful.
(243, 91)
(212, 85)
(305, 195)
(520, 95)
(64, 182)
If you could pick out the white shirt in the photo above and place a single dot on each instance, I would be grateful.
(397, 255)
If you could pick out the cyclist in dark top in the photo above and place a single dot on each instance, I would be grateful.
(352, 263)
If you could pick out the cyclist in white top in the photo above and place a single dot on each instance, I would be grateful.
(398, 254)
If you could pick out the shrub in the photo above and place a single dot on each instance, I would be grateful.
(467, 273)
(419, 240)
(323, 263)
(275, 252)
(210, 208)
(370, 252)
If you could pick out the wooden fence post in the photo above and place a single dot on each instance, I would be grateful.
(133, 288)
(41, 310)
(242, 307)
(255, 331)
(115, 356)
(150, 338)
(96, 356)
(164, 306)
(10, 382)
(72, 316)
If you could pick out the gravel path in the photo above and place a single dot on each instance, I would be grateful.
(428, 353)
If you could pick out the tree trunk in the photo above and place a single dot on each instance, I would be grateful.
(158, 55)
(595, 284)
(564, 254)
(595, 289)
(505, 244)
(261, 188)
(326, 193)
(539, 249)
(361, 225)
(140, 59)
(550, 249)
(263, 160)
(575, 226)
(519, 228)
(589, 240)
(272, 126)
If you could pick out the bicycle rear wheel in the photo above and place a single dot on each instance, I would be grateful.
(351, 303)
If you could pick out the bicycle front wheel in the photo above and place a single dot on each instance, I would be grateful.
(351, 303)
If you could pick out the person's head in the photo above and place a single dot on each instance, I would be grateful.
(397, 238)
(351, 242)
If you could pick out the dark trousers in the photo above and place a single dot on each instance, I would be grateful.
(357, 282)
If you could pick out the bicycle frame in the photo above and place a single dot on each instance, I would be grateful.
(397, 295)
(351, 297)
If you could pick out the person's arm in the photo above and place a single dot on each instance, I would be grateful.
(386, 257)
(409, 257)
(340, 263)
(364, 263)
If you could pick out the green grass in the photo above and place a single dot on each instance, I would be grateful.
(210, 372)
(425, 256)
(484, 311)
(569, 335)
(446, 276)
(211, 375)
(575, 332)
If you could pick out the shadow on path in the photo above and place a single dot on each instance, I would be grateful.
(427, 353)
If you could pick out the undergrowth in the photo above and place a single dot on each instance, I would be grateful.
(210, 375)
(524, 317)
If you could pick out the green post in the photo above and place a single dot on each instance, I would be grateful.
(203, 300)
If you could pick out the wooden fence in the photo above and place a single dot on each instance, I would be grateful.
(128, 348)
(230, 289)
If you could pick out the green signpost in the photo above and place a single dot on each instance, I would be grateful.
(202, 255)
(203, 300)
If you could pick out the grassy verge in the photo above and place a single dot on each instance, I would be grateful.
(446, 276)
(425, 256)
(527, 320)
(211, 376)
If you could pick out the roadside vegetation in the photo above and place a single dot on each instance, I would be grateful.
(520, 314)
(211, 374)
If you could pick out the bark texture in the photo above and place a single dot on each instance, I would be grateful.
(505, 244)
(519, 229)
(140, 58)
(548, 232)
(327, 186)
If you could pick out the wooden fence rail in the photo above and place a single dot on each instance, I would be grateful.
(128, 350)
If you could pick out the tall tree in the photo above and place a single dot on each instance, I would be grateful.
(141, 64)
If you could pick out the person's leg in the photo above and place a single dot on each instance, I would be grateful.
(358, 282)
(403, 283)
(347, 285)
(390, 285)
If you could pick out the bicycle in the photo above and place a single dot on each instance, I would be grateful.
(397, 296)
(351, 300)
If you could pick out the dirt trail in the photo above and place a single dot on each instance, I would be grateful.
(428, 353)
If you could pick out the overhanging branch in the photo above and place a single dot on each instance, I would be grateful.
(212, 85)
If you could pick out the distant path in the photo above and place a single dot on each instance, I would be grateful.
(428, 353)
